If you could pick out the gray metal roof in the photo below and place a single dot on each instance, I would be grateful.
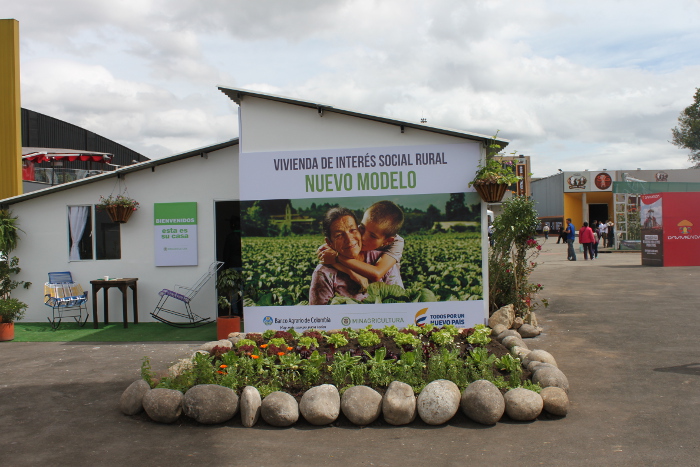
(151, 164)
(236, 94)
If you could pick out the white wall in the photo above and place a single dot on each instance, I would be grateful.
(275, 126)
(43, 246)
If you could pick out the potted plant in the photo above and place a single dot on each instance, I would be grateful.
(119, 207)
(493, 176)
(11, 309)
(229, 286)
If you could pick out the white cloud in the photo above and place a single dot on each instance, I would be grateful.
(597, 82)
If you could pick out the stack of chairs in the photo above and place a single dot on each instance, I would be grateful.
(66, 298)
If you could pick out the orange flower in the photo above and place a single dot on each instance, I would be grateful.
(264, 346)
(280, 353)
(290, 348)
(220, 372)
(254, 356)
(223, 366)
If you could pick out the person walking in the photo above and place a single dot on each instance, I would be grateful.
(586, 237)
(562, 235)
(603, 233)
(545, 229)
(611, 234)
(570, 238)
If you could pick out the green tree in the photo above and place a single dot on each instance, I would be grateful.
(512, 258)
(687, 134)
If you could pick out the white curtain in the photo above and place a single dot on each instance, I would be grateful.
(77, 219)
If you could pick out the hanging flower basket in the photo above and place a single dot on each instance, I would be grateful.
(119, 208)
(119, 214)
(491, 192)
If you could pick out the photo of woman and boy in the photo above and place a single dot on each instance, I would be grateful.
(356, 254)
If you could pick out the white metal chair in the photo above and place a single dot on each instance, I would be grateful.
(184, 295)
(66, 298)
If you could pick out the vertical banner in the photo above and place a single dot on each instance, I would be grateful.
(402, 219)
(520, 171)
(681, 222)
(175, 234)
(651, 218)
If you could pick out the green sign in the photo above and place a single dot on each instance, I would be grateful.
(175, 213)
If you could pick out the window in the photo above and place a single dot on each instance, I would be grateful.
(92, 235)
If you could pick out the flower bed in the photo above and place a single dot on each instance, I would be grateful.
(281, 375)
(293, 362)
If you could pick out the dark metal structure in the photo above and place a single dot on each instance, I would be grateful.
(42, 131)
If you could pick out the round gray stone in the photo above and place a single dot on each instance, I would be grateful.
(234, 337)
(320, 405)
(163, 405)
(519, 352)
(210, 403)
(511, 341)
(131, 401)
(547, 377)
(506, 333)
(555, 401)
(523, 404)
(438, 402)
(497, 329)
(208, 346)
(279, 409)
(540, 356)
(533, 365)
(528, 330)
(362, 405)
(399, 404)
(250, 406)
(483, 402)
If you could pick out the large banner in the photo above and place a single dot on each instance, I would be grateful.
(397, 228)
(669, 233)
(175, 234)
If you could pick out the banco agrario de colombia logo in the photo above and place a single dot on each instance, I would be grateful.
(267, 320)
(421, 317)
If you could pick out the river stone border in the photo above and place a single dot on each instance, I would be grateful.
(528, 405)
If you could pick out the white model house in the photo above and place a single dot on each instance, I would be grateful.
(208, 177)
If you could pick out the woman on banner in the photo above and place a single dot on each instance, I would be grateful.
(344, 236)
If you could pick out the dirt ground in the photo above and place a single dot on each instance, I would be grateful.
(625, 336)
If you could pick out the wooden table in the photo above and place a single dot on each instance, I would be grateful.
(123, 284)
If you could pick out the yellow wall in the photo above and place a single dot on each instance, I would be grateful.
(10, 111)
(573, 208)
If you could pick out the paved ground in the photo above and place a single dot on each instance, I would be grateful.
(626, 337)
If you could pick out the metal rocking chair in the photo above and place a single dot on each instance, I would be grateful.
(66, 298)
(185, 295)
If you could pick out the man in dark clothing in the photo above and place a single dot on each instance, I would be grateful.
(562, 235)
(570, 239)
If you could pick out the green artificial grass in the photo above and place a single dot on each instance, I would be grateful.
(142, 332)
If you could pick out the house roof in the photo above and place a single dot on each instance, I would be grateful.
(236, 94)
(151, 164)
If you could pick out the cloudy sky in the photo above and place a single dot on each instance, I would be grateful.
(575, 84)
